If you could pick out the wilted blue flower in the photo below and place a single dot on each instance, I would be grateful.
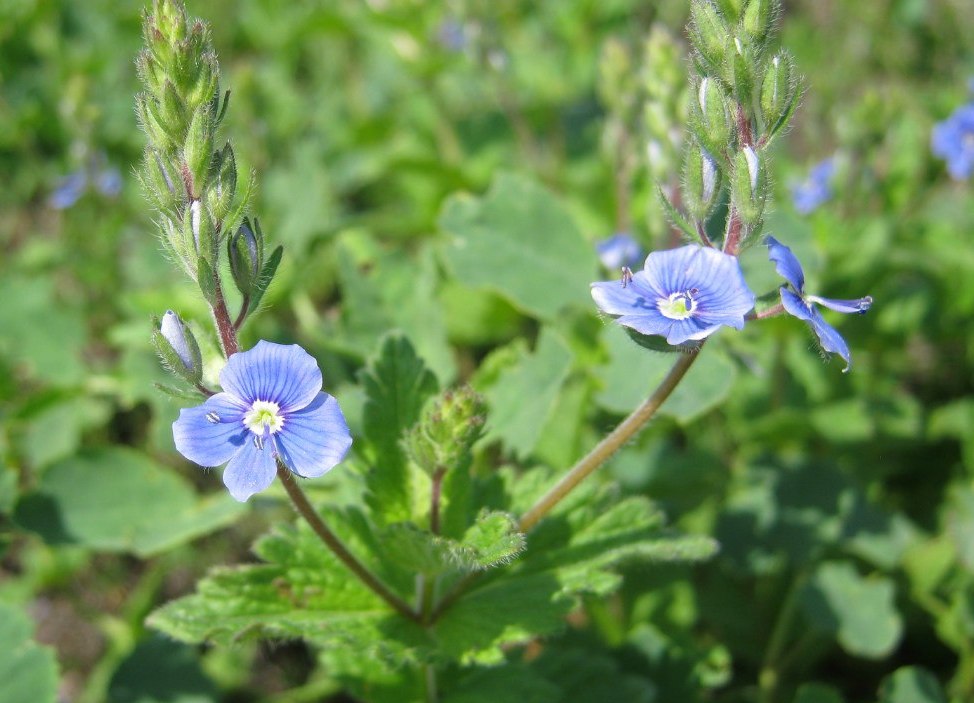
(681, 294)
(953, 141)
(802, 306)
(619, 250)
(271, 408)
(68, 190)
(815, 189)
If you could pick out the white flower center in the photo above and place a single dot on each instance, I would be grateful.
(264, 416)
(678, 306)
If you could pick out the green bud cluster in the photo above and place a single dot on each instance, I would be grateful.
(744, 94)
(447, 429)
(192, 181)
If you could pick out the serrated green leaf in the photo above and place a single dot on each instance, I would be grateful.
(675, 216)
(911, 684)
(414, 549)
(28, 670)
(117, 499)
(860, 612)
(519, 241)
(301, 591)
(397, 384)
(524, 394)
(492, 540)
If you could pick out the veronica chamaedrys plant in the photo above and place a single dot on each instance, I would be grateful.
(271, 409)
(803, 306)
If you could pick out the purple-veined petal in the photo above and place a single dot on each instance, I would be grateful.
(786, 264)
(635, 298)
(794, 305)
(283, 374)
(209, 443)
(674, 270)
(830, 339)
(315, 438)
(251, 469)
(860, 305)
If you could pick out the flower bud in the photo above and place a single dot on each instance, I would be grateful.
(701, 182)
(169, 18)
(198, 150)
(708, 31)
(245, 250)
(711, 118)
(758, 20)
(178, 349)
(779, 93)
(748, 185)
(220, 194)
(447, 429)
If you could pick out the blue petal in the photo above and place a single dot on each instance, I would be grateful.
(859, 305)
(722, 295)
(619, 250)
(675, 270)
(795, 306)
(786, 264)
(283, 374)
(68, 190)
(315, 438)
(635, 298)
(830, 339)
(211, 443)
(251, 469)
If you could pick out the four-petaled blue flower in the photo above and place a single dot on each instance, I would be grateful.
(271, 408)
(814, 190)
(619, 250)
(953, 141)
(802, 306)
(681, 294)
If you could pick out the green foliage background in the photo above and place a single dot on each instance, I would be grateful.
(415, 188)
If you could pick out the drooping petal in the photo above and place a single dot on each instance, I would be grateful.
(279, 373)
(786, 264)
(830, 339)
(860, 305)
(251, 469)
(794, 305)
(315, 438)
(635, 298)
(211, 433)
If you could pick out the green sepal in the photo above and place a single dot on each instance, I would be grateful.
(780, 93)
(236, 214)
(172, 362)
(198, 150)
(206, 279)
(172, 111)
(758, 23)
(710, 117)
(157, 184)
(739, 69)
(178, 393)
(749, 185)
(156, 129)
(708, 34)
(223, 169)
(701, 181)
(264, 279)
(169, 17)
(654, 342)
(674, 214)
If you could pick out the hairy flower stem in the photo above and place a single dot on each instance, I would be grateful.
(332, 541)
(604, 450)
(224, 325)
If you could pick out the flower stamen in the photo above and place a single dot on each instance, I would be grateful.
(679, 305)
(264, 417)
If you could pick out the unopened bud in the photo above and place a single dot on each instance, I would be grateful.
(701, 182)
(178, 349)
(245, 251)
(170, 19)
(712, 119)
(749, 185)
(220, 194)
(758, 21)
(779, 92)
(448, 427)
(708, 31)
(198, 149)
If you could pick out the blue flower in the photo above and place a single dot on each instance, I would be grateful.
(814, 190)
(619, 250)
(953, 141)
(271, 409)
(68, 190)
(802, 306)
(681, 294)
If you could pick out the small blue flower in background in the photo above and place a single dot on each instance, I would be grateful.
(68, 190)
(271, 408)
(107, 180)
(681, 294)
(802, 306)
(953, 141)
(814, 190)
(452, 35)
(619, 250)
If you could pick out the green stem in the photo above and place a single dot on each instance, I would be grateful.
(772, 667)
(332, 541)
(604, 450)
(429, 683)
(224, 325)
